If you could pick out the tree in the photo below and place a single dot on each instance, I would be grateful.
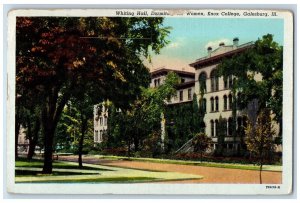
(201, 143)
(221, 134)
(263, 58)
(57, 54)
(143, 117)
(259, 138)
(196, 124)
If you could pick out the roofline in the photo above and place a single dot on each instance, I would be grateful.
(218, 57)
(180, 72)
(179, 103)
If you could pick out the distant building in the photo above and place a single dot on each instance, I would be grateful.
(185, 89)
(100, 122)
(23, 142)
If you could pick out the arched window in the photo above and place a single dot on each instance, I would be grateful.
(214, 81)
(202, 81)
(230, 101)
(217, 127)
(212, 109)
(101, 121)
(225, 102)
(212, 128)
(217, 103)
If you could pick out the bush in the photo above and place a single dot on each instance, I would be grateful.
(117, 151)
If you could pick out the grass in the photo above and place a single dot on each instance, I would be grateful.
(69, 172)
(22, 172)
(195, 163)
(100, 180)
(21, 162)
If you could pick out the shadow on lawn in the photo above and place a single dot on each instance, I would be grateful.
(19, 172)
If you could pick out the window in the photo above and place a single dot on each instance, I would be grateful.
(105, 120)
(156, 82)
(181, 95)
(212, 128)
(225, 102)
(100, 136)
(101, 121)
(230, 126)
(230, 101)
(182, 80)
(214, 81)
(202, 82)
(217, 103)
(217, 126)
(189, 94)
(96, 135)
(212, 104)
(239, 125)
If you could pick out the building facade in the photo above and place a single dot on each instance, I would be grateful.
(217, 99)
(217, 92)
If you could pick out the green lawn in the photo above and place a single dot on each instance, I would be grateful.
(195, 163)
(69, 172)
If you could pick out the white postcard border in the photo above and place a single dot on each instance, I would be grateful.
(153, 188)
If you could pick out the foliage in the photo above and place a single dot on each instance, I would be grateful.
(56, 55)
(152, 145)
(221, 133)
(259, 138)
(263, 59)
(134, 125)
(182, 130)
(201, 143)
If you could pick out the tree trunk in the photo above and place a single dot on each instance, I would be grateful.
(48, 143)
(80, 147)
(33, 141)
(50, 115)
(260, 171)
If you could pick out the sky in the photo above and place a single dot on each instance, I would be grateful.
(190, 37)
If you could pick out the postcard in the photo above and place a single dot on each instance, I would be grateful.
(150, 101)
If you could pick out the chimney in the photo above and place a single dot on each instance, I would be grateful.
(235, 42)
(209, 50)
(221, 44)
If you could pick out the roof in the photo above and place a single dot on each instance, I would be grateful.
(164, 71)
(207, 60)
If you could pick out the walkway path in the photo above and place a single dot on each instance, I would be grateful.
(211, 174)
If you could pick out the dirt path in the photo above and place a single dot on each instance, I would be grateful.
(211, 174)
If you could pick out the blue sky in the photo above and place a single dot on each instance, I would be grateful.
(190, 37)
